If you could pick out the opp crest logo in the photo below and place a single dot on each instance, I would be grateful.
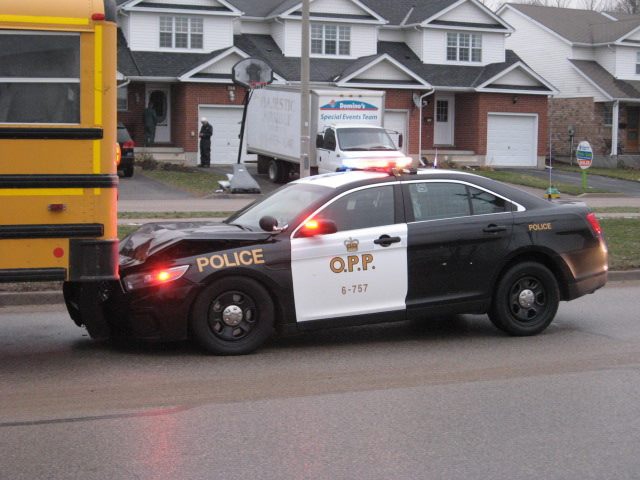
(351, 244)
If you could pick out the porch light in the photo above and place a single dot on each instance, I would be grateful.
(515, 99)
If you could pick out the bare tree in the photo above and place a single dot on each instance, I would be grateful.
(596, 5)
(624, 6)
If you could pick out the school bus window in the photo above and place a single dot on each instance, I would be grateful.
(39, 77)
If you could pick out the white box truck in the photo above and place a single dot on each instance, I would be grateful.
(346, 127)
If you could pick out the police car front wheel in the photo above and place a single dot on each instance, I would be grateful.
(526, 299)
(232, 316)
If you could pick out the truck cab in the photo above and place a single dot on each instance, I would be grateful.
(339, 147)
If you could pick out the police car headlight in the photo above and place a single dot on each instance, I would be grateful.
(156, 277)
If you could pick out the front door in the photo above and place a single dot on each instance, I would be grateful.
(632, 144)
(444, 108)
(361, 269)
(159, 97)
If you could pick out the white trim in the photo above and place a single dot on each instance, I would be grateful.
(208, 63)
(384, 86)
(185, 12)
(131, 6)
(297, 6)
(515, 91)
(527, 69)
(535, 132)
(588, 79)
(628, 34)
(464, 28)
(394, 62)
(479, 5)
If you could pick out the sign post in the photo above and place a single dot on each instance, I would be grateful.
(584, 155)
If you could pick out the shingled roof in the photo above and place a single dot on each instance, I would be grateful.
(580, 26)
(607, 83)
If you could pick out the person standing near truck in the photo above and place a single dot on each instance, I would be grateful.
(206, 131)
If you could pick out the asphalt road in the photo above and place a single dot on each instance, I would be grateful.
(448, 399)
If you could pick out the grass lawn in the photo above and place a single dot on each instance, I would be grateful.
(623, 238)
(616, 210)
(534, 182)
(620, 173)
(196, 182)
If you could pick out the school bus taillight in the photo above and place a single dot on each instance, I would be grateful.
(118, 154)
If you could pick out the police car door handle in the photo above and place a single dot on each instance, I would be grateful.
(493, 228)
(386, 240)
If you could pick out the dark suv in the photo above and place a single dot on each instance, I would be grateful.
(126, 148)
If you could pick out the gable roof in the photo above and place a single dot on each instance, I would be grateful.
(579, 26)
(605, 82)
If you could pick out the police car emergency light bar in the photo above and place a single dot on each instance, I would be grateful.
(376, 164)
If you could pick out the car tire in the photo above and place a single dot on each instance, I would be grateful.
(127, 172)
(278, 171)
(526, 300)
(232, 316)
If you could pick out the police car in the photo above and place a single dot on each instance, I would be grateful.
(356, 248)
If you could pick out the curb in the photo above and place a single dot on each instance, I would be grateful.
(51, 297)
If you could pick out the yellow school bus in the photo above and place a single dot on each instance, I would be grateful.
(58, 178)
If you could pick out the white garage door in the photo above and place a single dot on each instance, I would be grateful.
(397, 120)
(226, 130)
(512, 140)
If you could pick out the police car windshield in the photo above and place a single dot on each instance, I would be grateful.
(285, 205)
(364, 139)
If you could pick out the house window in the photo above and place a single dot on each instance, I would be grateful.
(464, 47)
(123, 104)
(330, 39)
(607, 114)
(39, 78)
(181, 32)
(638, 62)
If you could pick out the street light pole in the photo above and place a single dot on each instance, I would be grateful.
(305, 166)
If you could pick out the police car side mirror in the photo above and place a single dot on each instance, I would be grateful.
(268, 223)
(319, 141)
(317, 227)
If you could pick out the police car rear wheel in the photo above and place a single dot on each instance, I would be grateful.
(233, 316)
(526, 300)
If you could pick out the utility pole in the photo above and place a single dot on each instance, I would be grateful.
(305, 166)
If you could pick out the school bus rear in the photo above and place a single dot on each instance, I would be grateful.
(58, 179)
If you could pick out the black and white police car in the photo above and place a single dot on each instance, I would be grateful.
(356, 248)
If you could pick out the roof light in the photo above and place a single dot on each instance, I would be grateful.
(311, 225)
(154, 278)
(376, 164)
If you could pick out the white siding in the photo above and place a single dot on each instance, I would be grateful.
(547, 55)
(519, 77)
(224, 65)
(364, 40)
(384, 70)
(278, 35)
(583, 53)
(467, 12)
(391, 35)
(256, 28)
(144, 33)
(415, 40)
(626, 62)
(435, 48)
(336, 6)
(606, 57)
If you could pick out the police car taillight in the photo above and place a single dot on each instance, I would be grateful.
(154, 278)
(594, 223)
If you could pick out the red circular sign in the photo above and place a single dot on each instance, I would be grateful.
(58, 252)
